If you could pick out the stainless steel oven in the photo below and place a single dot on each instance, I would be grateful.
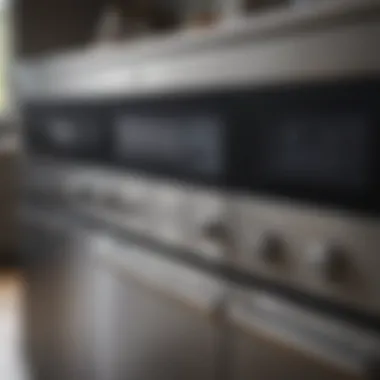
(104, 298)
(104, 305)
(196, 228)
(217, 205)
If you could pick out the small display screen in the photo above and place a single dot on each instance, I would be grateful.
(189, 143)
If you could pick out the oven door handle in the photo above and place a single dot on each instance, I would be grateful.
(199, 290)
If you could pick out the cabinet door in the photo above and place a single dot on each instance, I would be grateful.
(275, 341)
(57, 301)
(41, 248)
(155, 318)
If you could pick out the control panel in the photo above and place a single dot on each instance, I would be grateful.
(176, 214)
(329, 253)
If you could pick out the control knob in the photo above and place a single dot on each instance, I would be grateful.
(328, 261)
(215, 230)
(271, 248)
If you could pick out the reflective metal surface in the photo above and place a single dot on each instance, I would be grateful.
(116, 305)
(318, 338)
(107, 309)
(58, 338)
(309, 238)
(323, 251)
(257, 357)
(336, 39)
(105, 302)
(171, 212)
(154, 318)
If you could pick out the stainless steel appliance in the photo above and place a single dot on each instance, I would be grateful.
(94, 294)
(192, 221)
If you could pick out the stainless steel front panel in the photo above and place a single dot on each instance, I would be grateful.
(154, 318)
(169, 212)
(104, 307)
(337, 39)
(202, 291)
(289, 341)
(58, 341)
(233, 228)
(308, 237)
(101, 307)
(256, 357)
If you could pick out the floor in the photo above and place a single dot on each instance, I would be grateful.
(12, 366)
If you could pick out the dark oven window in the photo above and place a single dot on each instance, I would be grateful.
(315, 143)
(170, 143)
(66, 132)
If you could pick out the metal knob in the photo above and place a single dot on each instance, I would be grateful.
(328, 261)
(271, 248)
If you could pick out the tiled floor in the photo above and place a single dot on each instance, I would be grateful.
(12, 366)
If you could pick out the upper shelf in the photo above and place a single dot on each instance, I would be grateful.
(332, 39)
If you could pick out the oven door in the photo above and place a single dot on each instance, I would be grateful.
(156, 319)
(273, 340)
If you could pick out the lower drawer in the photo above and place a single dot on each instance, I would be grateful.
(272, 339)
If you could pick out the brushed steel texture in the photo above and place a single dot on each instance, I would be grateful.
(337, 39)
